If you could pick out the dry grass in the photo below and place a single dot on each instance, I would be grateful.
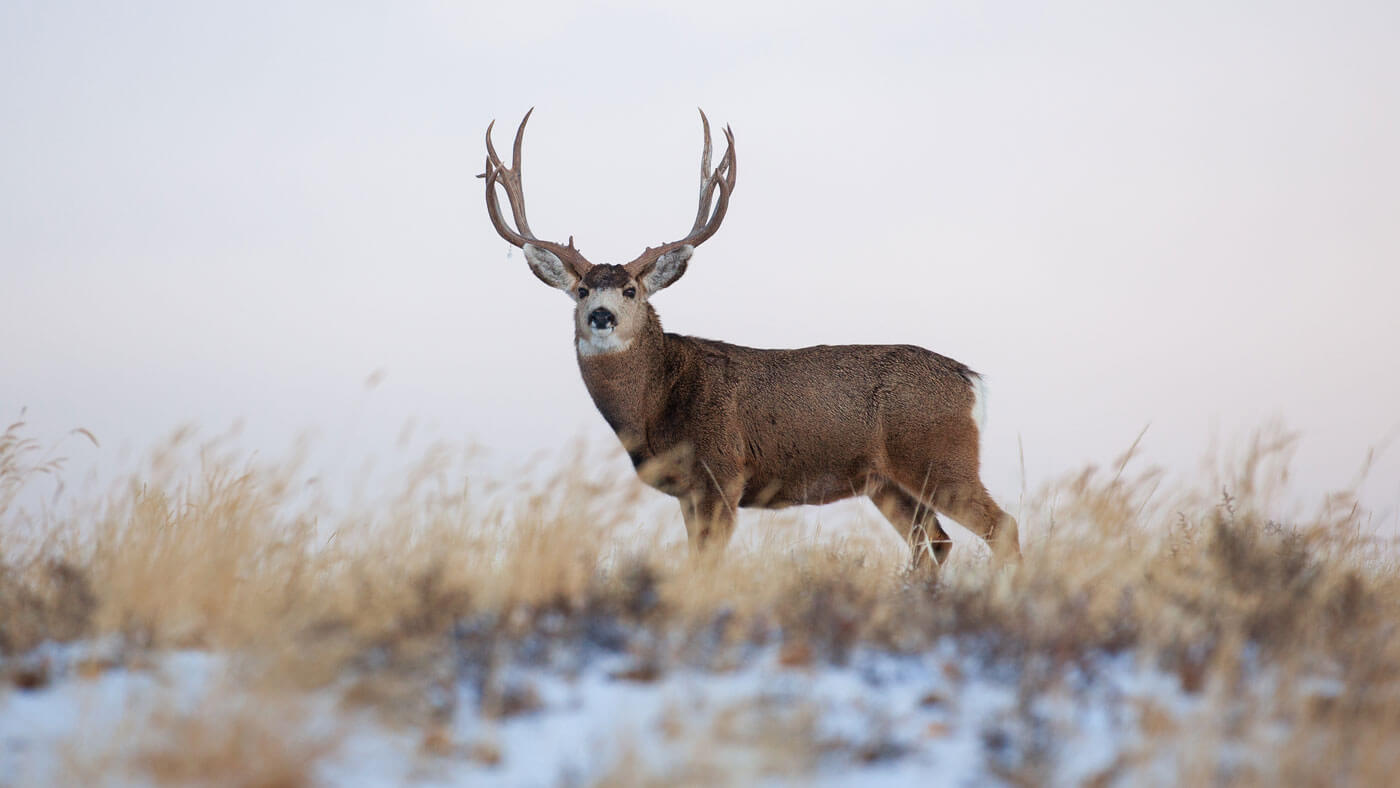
(460, 575)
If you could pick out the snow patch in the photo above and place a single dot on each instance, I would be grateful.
(948, 716)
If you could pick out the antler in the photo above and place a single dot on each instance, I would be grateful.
(706, 223)
(509, 177)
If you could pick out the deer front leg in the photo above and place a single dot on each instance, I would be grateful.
(709, 518)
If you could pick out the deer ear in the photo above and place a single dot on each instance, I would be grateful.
(549, 268)
(667, 269)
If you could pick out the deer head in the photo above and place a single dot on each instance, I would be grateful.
(610, 301)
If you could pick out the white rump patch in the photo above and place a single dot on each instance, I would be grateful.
(979, 401)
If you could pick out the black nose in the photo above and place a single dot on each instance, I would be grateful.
(601, 318)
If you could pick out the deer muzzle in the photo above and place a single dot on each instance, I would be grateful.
(601, 319)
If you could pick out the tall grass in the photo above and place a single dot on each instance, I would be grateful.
(461, 574)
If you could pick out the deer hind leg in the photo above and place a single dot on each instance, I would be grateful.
(916, 522)
(972, 506)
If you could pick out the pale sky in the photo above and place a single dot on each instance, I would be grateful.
(1178, 214)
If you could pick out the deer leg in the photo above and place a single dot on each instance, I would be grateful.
(709, 521)
(971, 505)
(916, 522)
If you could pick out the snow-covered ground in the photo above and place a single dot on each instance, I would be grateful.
(946, 717)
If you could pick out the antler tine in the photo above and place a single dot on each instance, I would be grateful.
(509, 178)
(493, 172)
(491, 157)
(707, 222)
(724, 177)
(493, 206)
(519, 138)
(706, 183)
(733, 157)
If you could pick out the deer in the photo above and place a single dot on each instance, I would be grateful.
(723, 427)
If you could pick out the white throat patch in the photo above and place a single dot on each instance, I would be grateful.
(596, 343)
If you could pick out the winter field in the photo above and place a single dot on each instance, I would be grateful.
(213, 620)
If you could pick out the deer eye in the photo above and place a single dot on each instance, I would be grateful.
(630, 292)
(583, 292)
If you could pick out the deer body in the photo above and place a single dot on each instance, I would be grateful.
(722, 426)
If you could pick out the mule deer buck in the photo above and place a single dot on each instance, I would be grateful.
(723, 427)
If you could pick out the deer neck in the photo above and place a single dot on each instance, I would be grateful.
(629, 386)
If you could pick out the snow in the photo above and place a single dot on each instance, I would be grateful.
(945, 717)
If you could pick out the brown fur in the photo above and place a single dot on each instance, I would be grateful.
(723, 427)
(601, 276)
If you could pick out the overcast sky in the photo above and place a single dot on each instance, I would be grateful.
(1178, 214)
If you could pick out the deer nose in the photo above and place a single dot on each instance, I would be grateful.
(601, 318)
